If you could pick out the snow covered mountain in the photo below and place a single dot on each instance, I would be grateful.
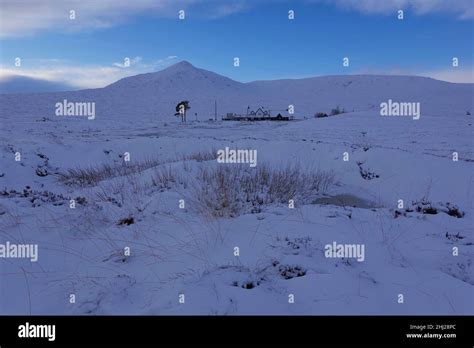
(154, 95)
(422, 249)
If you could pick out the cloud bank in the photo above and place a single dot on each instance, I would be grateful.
(89, 76)
(27, 17)
(463, 9)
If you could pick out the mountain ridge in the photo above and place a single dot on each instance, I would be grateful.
(155, 95)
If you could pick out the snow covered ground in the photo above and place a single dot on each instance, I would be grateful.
(281, 267)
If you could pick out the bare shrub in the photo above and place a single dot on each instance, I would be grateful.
(164, 178)
(228, 191)
(112, 192)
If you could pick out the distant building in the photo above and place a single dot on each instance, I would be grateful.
(258, 115)
(260, 112)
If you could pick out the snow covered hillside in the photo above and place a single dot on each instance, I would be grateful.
(155, 95)
(174, 231)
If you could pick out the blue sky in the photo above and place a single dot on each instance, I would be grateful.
(89, 50)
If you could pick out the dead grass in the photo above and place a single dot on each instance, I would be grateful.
(214, 190)
(92, 175)
(228, 191)
(201, 156)
(164, 178)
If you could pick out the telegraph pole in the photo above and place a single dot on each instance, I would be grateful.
(215, 110)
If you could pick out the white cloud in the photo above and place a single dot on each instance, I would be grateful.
(225, 9)
(27, 17)
(91, 76)
(464, 9)
(131, 61)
